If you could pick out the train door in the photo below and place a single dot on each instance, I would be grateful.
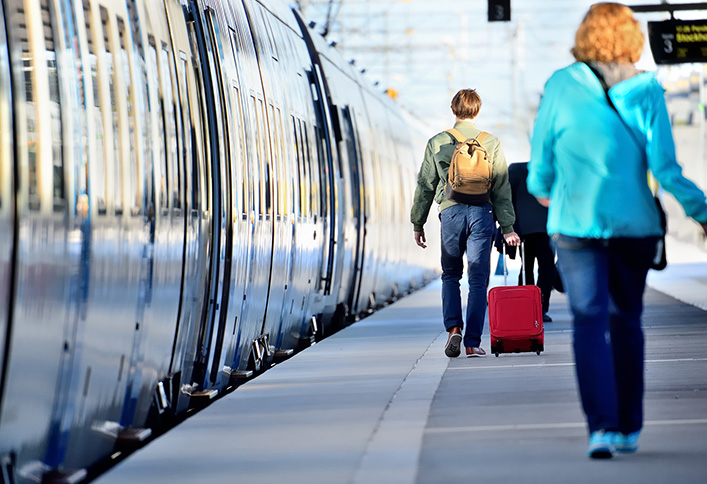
(165, 215)
(119, 236)
(245, 188)
(160, 276)
(357, 203)
(187, 201)
(327, 178)
(193, 154)
(251, 346)
(261, 248)
(202, 29)
(328, 168)
(226, 78)
(38, 241)
(7, 201)
(272, 51)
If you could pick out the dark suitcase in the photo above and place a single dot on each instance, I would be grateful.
(515, 318)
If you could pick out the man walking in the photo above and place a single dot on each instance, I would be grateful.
(465, 227)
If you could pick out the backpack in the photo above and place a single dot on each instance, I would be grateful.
(470, 170)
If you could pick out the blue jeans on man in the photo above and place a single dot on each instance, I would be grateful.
(605, 280)
(466, 229)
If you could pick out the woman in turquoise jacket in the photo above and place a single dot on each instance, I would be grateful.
(601, 127)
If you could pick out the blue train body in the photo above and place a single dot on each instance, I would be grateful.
(189, 192)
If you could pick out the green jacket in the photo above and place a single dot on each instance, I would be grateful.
(433, 176)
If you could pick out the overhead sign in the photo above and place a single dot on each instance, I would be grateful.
(499, 10)
(678, 41)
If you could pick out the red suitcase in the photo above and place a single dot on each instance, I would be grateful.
(515, 318)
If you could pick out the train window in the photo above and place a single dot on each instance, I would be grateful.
(162, 174)
(283, 178)
(276, 159)
(143, 90)
(133, 169)
(200, 122)
(239, 139)
(206, 171)
(115, 170)
(214, 51)
(271, 35)
(306, 190)
(44, 143)
(188, 135)
(312, 179)
(298, 159)
(257, 135)
(170, 124)
(27, 71)
(98, 168)
(58, 196)
(265, 160)
(253, 165)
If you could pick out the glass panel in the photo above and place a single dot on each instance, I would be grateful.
(28, 73)
(188, 135)
(239, 183)
(162, 175)
(98, 175)
(170, 124)
(132, 181)
(264, 157)
(116, 176)
(58, 195)
(253, 165)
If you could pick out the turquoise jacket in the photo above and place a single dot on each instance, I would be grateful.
(594, 167)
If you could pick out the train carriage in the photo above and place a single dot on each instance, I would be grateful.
(189, 192)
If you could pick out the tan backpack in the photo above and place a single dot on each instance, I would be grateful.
(470, 170)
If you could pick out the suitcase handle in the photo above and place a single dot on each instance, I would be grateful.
(505, 262)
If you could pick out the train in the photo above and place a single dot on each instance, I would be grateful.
(190, 192)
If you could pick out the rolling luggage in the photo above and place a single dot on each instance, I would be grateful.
(515, 317)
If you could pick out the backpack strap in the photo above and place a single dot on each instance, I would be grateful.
(457, 135)
(461, 138)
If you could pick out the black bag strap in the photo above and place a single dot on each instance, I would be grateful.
(659, 205)
(605, 86)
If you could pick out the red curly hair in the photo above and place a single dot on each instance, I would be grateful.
(608, 33)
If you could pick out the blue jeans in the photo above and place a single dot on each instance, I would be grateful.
(604, 280)
(466, 228)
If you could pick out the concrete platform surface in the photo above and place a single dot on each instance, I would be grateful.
(379, 402)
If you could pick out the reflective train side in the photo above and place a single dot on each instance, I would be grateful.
(189, 193)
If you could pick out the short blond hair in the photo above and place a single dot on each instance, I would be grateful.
(608, 33)
(466, 104)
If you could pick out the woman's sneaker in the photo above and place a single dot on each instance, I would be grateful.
(601, 444)
(627, 443)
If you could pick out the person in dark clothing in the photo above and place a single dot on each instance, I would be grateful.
(531, 226)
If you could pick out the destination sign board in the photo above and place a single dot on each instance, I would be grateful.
(678, 41)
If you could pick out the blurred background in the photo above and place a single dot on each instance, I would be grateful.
(423, 51)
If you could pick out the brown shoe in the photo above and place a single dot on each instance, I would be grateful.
(475, 352)
(453, 348)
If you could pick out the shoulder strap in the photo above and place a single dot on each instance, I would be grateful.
(461, 138)
(605, 86)
(457, 135)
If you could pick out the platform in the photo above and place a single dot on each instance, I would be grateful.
(379, 402)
